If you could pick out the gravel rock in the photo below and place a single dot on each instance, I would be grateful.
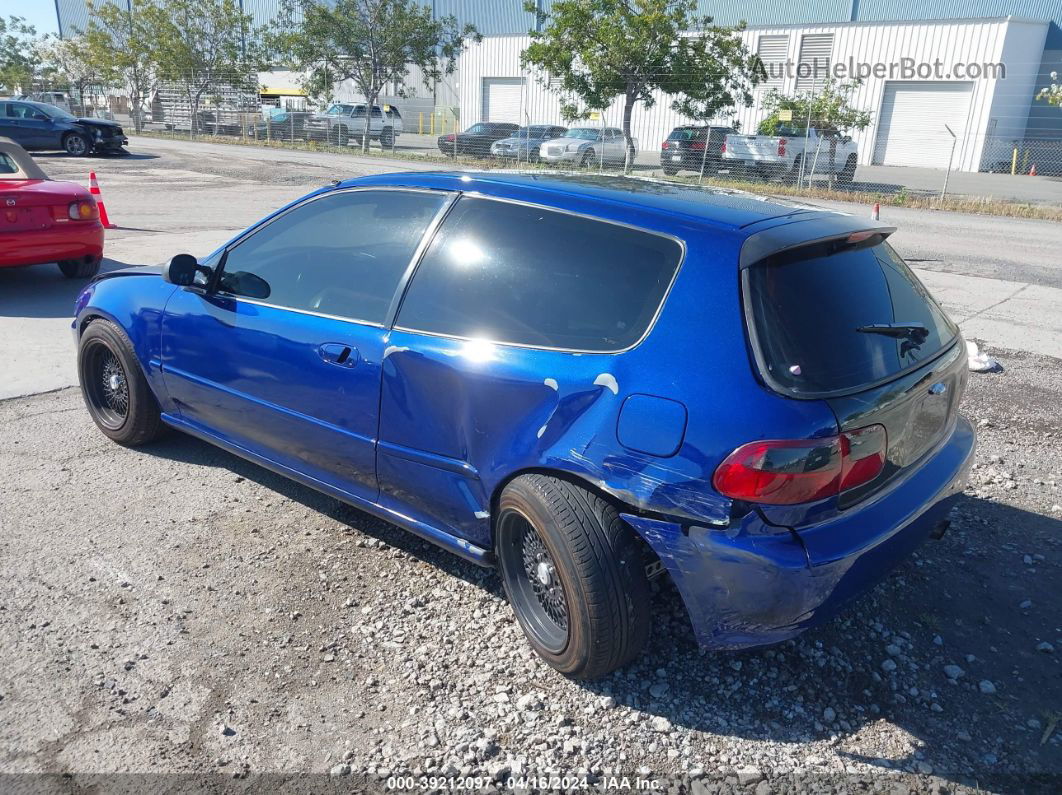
(986, 687)
(954, 672)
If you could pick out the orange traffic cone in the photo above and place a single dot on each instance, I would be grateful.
(1032, 171)
(94, 189)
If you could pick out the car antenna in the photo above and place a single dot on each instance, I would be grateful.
(333, 182)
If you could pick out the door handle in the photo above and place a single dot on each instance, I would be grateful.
(338, 354)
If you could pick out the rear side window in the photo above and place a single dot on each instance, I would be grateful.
(523, 275)
(830, 322)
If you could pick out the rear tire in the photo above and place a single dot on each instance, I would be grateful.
(386, 139)
(847, 175)
(574, 574)
(116, 393)
(79, 268)
(669, 171)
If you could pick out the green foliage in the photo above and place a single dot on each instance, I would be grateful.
(120, 40)
(204, 46)
(19, 60)
(370, 42)
(599, 50)
(1052, 94)
(830, 110)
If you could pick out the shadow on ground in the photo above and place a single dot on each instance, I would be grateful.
(41, 291)
(881, 661)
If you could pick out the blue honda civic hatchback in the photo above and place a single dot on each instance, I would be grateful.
(583, 381)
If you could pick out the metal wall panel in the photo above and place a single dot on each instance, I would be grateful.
(951, 42)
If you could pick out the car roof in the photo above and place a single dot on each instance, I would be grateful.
(27, 166)
(718, 207)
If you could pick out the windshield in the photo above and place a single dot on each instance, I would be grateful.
(583, 133)
(829, 321)
(340, 110)
(53, 111)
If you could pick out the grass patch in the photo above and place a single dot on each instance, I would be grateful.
(903, 198)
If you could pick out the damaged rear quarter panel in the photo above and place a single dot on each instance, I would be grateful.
(459, 418)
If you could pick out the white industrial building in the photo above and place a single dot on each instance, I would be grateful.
(910, 114)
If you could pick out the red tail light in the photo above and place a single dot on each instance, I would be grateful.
(791, 471)
(781, 146)
(722, 149)
(81, 210)
(450, 137)
(698, 145)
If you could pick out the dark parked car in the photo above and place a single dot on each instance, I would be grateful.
(523, 145)
(477, 139)
(520, 369)
(279, 124)
(35, 125)
(691, 148)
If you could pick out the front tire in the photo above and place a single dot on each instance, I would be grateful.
(574, 574)
(76, 145)
(116, 393)
(588, 159)
(80, 268)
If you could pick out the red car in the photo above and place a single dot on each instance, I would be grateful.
(42, 220)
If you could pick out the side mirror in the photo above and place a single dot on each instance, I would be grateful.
(181, 270)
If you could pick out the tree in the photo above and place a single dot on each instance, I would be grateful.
(827, 110)
(600, 50)
(120, 40)
(204, 47)
(1052, 94)
(369, 42)
(18, 54)
(72, 61)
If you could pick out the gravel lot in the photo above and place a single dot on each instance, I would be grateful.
(175, 609)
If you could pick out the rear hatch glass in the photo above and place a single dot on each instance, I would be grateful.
(830, 321)
(855, 327)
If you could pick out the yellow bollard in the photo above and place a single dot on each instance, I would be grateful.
(420, 123)
(1014, 161)
(433, 124)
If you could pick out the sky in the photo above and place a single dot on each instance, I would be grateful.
(39, 13)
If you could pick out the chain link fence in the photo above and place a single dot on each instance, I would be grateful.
(993, 169)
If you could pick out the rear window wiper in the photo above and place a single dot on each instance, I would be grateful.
(915, 332)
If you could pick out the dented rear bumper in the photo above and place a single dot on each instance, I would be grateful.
(753, 584)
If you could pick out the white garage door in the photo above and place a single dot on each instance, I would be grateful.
(501, 99)
(911, 124)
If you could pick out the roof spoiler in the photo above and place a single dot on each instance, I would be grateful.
(808, 232)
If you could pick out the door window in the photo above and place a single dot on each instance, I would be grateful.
(341, 255)
(514, 273)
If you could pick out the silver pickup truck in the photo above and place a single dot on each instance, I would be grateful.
(780, 156)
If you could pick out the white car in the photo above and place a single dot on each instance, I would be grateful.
(585, 146)
(780, 156)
